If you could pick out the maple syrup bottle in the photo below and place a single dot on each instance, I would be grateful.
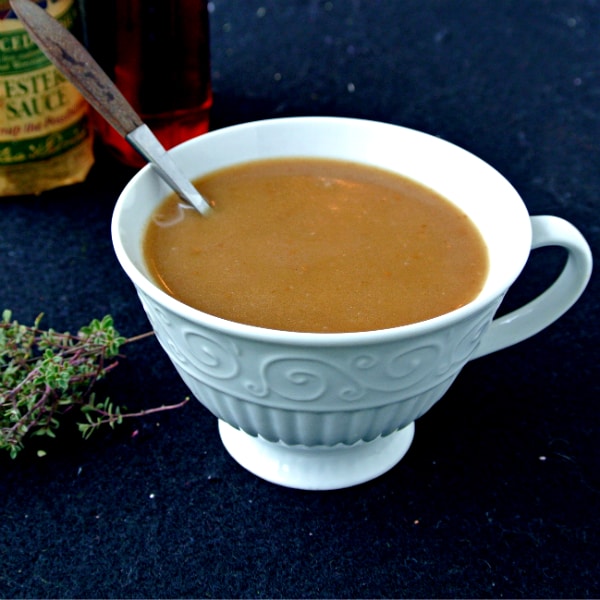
(157, 52)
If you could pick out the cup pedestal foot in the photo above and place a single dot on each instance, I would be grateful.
(318, 467)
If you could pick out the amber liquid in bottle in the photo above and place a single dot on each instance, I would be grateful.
(157, 52)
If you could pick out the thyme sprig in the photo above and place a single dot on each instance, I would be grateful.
(44, 374)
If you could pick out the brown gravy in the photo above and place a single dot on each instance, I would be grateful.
(318, 246)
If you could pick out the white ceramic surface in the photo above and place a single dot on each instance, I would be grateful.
(316, 467)
(305, 404)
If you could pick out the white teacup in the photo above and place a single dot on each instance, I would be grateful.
(326, 411)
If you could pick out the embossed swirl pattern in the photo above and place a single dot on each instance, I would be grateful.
(338, 376)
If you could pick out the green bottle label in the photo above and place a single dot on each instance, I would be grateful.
(41, 114)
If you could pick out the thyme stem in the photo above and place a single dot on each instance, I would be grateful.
(45, 374)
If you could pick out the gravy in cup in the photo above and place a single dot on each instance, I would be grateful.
(318, 246)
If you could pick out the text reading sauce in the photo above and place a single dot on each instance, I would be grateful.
(318, 246)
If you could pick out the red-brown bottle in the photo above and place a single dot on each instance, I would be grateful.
(157, 52)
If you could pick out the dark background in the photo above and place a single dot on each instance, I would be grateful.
(499, 494)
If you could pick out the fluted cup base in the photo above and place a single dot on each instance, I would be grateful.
(316, 467)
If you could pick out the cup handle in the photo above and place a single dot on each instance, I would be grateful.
(530, 319)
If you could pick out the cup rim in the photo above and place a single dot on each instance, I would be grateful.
(232, 328)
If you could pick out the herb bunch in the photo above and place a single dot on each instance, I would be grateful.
(44, 374)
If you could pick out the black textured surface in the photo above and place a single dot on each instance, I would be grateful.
(499, 494)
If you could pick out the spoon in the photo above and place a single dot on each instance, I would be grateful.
(76, 63)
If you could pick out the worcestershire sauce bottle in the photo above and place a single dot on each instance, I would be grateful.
(45, 133)
(157, 53)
